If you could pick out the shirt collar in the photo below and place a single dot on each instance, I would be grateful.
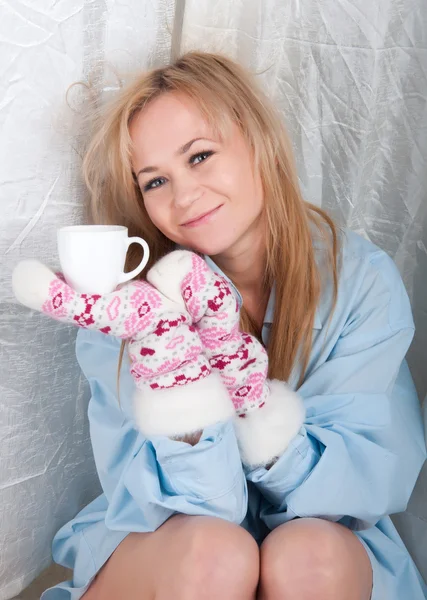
(268, 318)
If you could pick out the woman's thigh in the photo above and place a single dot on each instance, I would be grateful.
(186, 558)
(314, 558)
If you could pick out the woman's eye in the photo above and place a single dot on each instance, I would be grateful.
(201, 155)
(154, 183)
(194, 160)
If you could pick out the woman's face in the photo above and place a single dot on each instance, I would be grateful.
(185, 171)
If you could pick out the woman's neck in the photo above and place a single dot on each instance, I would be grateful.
(244, 264)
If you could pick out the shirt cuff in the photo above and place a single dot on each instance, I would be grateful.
(206, 470)
(288, 472)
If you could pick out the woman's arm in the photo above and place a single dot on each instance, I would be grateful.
(361, 448)
(147, 481)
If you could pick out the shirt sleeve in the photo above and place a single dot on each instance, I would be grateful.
(147, 481)
(361, 448)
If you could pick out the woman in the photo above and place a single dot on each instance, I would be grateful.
(194, 155)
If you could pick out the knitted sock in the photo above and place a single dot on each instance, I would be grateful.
(177, 392)
(268, 413)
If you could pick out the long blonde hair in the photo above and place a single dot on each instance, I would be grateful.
(223, 91)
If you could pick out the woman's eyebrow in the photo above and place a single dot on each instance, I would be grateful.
(181, 150)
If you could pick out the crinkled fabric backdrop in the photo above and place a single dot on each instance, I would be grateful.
(350, 77)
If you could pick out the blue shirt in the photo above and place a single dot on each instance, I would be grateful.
(355, 460)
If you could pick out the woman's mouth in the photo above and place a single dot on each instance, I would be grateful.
(202, 219)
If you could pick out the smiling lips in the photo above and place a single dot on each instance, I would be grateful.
(204, 218)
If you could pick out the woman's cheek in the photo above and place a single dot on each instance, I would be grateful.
(222, 182)
(155, 214)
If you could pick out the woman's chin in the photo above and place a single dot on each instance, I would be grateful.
(209, 248)
(211, 243)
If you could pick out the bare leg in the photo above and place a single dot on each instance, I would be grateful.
(314, 558)
(185, 559)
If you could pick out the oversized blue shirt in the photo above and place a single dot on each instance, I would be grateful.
(355, 460)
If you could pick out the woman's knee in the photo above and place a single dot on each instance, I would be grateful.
(313, 555)
(219, 558)
(186, 558)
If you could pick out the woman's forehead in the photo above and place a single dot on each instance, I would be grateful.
(171, 120)
(169, 111)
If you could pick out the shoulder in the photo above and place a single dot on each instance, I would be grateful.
(92, 337)
(358, 253)
(370, 281)
(95, 349)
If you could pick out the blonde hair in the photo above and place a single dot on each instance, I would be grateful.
(224, 91)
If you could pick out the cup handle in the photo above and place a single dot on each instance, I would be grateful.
(136, 240)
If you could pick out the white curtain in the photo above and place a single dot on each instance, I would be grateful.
(46, 468)
(350, 77)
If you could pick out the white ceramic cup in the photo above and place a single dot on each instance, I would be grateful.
(93, 257)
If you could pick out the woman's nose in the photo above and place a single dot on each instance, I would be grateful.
(186, 190)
